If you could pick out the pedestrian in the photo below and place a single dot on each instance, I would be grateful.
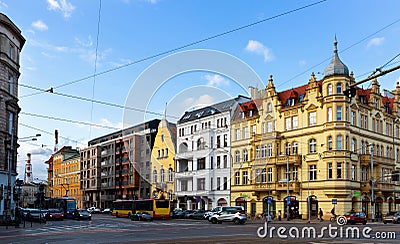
(17, 217)
(333, 213)
(279, 215)
(320, 214)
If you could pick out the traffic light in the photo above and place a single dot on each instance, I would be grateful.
(351, 92)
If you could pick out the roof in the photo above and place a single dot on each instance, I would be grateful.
(336, 66)
(221, 107)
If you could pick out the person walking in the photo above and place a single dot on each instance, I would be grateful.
(320, 214)
(333, 213)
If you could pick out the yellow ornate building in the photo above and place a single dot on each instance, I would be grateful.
(65, 174)
(162, 161)
(319, 140)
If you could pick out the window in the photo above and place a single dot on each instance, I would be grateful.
(258, 152)
(294, 173)
(218, 141)
(294, 148)
(258, 176)
(170, 176)
(263, 128)
(339, 113)
(364, 173)
(225, 140)
(339, 88)
(330, 172)
(237, 178)
(245, 155)
(295, 122)
(225, 161)
(288, 123)
(312, 118)
(329, 114)
(329, 143)
(218, 162)
(287, 148)
(11, 53)
(329, 89)
(237, 156)
(353, 145)
(353, 172)
(253, 130)
(11, 84)
(155, 176)
(245, 178)
(263, 175)
(312, 146)
(263, 151)
(225, 183)
(269, 174)
(269, 150)
(218, 183)
(246, 133)
(269, 107)
(312, 173)
(339, 143)
(269, 126)
(237, 134)
(339, 171)
(201, 184)
(201, 163)
(211, 162)
(162, 175)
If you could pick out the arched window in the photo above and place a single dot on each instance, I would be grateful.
(269, 107)
(339, 88)
(237, 156)
(155, 176)
(329, 89)
(162, 175)
(339, 142)
(312, 146)
(245, 155)
(170, 176)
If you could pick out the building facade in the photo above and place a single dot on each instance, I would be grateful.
(312, 148)
(11, 43)
(203, 161)
(163, 161)
(90, 181)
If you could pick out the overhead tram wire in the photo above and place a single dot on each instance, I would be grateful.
(95, 68)
(181, 47)
(342, 51)
(99, 102)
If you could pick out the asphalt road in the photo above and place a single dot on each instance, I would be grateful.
(108, 229)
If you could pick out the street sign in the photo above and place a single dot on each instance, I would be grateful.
(269, 200)
(334, 201)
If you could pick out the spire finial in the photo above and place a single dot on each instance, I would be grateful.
(335, 45)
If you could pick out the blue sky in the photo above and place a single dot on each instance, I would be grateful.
(63, 36)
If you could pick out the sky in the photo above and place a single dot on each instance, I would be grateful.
(102, 56)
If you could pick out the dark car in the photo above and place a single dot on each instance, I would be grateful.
(177, 214)
(356, 217)
(188, 214)
(54, 214)
(82, 214)
(198, 214)
(144, 216)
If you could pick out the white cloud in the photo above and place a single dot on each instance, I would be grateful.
(377, 41)
(39, 25)
(85, 43)
(63, 6)
(202, 101)
(106, 122)
(259, 48)
(216, 80)
(152, 1)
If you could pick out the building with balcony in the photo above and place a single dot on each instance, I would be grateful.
(90, 174)
(163, 161)
(11, 43)
(124, 159)
(304, 148)
(203, 161)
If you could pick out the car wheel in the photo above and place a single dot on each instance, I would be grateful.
(214, 221)
(384, 222)
(236, 221)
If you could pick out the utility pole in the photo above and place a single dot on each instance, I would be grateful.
(287, 179)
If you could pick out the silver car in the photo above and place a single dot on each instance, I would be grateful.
(235, 216)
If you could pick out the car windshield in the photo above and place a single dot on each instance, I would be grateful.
(54, 211)
(145, 213)
(83, 211)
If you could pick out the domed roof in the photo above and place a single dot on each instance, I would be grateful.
(336, 66)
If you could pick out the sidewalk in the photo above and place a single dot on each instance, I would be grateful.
(11, 228)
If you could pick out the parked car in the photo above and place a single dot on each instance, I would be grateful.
(198, 214)
(392, 217)
(94, 210)
(35, 215)
(54, 214)
(235, 216)
(356, 217)
(188, 214)
(207, 214)
(177, 214)
(82, 214)
(106, 211)
(144, 216)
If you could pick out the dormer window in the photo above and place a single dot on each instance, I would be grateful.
(290, 102)
(250, 113)
(363, 100)
(387, 106)
(376, 103)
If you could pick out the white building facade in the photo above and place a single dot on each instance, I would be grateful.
(203, 159)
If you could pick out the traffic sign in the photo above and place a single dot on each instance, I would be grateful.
(334, 201)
